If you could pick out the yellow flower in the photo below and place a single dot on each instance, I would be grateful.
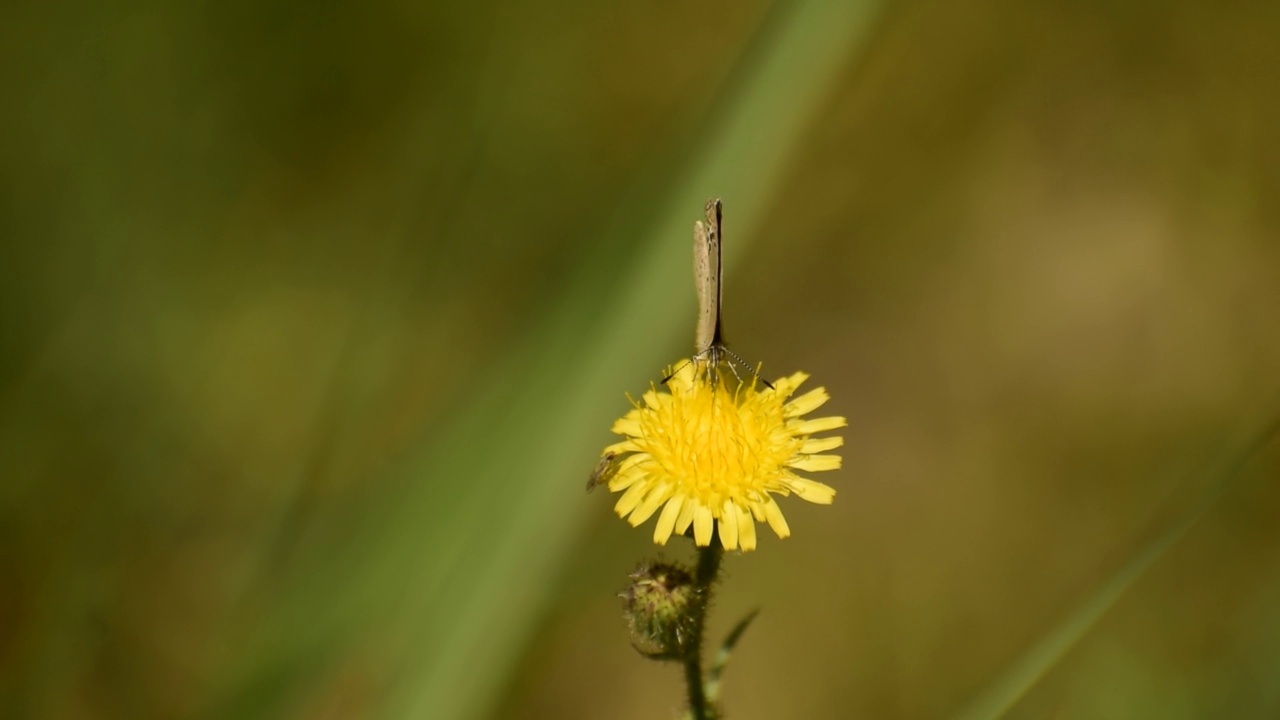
(710, 457)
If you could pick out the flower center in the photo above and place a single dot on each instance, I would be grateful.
(712, 442)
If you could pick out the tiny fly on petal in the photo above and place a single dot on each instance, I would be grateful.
(604, 471)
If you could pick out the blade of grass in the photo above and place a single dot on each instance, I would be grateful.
(443, 581)
(721, 659)
(1001, 695)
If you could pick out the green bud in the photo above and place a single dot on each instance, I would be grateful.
(659, 610)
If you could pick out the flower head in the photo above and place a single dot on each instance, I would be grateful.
(713, 458)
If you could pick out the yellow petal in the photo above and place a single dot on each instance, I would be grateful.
(746, 530)
(626, 478)
(814, 492)
(807, 403)
(667, 520)
(626, 426)
(788, 385)
(651, 503)
(818, 445)
(630, 498)
(815, 463)
(651, 399)
(626, 446)
(682, 376)
(776, 520)
(729, 526)
(703, 524)
(633, 460)
(686, 516)
(817, 425)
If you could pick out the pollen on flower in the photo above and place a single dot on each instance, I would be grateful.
(712, 458)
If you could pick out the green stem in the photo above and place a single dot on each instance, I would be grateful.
(704, 577)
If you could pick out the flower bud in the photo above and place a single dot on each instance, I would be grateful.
(659, 604)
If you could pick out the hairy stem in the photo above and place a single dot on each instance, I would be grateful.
(704, 577)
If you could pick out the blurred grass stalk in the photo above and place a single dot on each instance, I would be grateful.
(428, 576)
(1204, 488)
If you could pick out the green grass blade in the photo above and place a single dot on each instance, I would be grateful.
(721, 660)
(1027, 670)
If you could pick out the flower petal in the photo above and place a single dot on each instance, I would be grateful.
(746, 530)
(651, 503)
(686, 516)
(817, 425)
(703, 524)
(626, 478)
(633, 460)
(806, 403)
(815, 463)
(729, 526)
(818, 445)
(776, 520)
(652, 399)
(814, 492)
(626, 446)
(788, 385)
(626, 426)
(630, 499)
(682, 375)
(667, 520)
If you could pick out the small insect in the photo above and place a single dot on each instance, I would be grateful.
(604, 471)
(707, 340)
(709, 349)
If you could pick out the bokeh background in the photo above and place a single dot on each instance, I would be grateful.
(315, 317)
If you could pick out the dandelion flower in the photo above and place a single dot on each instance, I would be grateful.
(713, 458)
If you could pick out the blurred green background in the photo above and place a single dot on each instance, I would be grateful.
(315, 317)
